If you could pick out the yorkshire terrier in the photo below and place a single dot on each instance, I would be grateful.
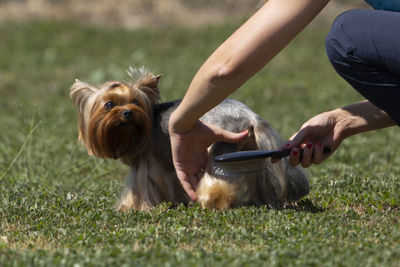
(125, 120)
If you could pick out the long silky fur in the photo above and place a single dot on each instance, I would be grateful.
(260, 188)
(152, 178)
(148, 184)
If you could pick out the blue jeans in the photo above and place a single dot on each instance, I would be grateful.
(364, 48)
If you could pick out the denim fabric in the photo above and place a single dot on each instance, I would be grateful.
(364, 48)
(390, 5)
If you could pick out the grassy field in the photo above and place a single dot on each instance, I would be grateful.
(56, 202)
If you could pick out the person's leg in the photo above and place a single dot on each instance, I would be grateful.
(364, 48)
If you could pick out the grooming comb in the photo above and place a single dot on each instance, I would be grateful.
(246, 162)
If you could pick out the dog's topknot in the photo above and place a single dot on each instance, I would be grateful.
(146, 82)
(138, 74)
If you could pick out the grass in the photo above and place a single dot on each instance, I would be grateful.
(56, 203)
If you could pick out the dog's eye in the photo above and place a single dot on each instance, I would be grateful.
(135, 101)
(109, 105)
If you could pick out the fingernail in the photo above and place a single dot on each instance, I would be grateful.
(287, 144)
(246, 131)
(295, 152)
(319, 144)
(309, 145)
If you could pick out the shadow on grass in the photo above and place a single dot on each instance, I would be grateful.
(305, 205)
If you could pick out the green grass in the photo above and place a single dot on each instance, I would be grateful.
(56, 202)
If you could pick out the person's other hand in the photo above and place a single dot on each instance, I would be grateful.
(189, 151)
(318, 132)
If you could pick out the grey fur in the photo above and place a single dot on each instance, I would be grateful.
(281, 182)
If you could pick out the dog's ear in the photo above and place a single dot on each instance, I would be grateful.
(149, 86)
(80, 93)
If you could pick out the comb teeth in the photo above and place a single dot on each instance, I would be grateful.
(232, 169)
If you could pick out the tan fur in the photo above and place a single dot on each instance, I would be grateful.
(144, 145)
(100, 130)
(148, 185)
(215, 193)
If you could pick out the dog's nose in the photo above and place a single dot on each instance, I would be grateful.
(127, 114)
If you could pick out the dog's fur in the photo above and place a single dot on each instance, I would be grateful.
(134, 128)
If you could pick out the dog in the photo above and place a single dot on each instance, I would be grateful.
(126, 121)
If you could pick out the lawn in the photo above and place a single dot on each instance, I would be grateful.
(57, 203)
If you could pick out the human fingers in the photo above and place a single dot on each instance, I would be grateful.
(275, 160)
(318, 153)
(284, 146)
(230, 137)
(294, 141)
(194, 180)
(332, 142)
(298, 138)
(294, 157)
(186, 184)
(306, 157)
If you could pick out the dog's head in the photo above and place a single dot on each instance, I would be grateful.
(115, 119)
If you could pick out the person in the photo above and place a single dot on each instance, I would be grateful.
(363, 46)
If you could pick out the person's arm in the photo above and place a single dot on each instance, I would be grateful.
(330, 128)
(361, 117)
(242, 55)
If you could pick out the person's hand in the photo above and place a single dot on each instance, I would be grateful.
(189, 151)
(321, 131)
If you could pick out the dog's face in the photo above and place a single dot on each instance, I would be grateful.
(115, 119)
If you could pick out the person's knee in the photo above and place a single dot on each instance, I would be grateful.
(348, 34)
(338, 43)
